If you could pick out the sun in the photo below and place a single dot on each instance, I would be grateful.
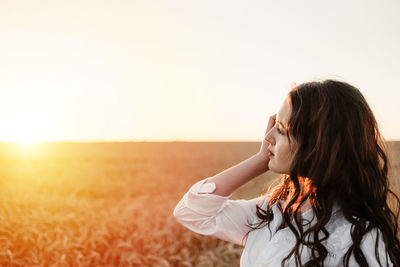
(27, 143)
(26, 131)
(25, 139)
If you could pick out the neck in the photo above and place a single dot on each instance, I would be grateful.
(305, 188)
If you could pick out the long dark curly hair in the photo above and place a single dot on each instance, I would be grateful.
(341, 152)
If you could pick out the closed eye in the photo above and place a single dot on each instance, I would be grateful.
(277, 127)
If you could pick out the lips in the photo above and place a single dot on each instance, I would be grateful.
(270, 153)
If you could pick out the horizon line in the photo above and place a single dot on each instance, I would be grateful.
(148, 141)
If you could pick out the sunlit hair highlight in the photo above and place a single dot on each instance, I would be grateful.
(339, 149)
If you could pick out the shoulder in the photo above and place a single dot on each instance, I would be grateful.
(368, 247)
(340, 240)
(339, 234)
(250, 206)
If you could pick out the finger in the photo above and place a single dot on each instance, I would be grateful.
(271, 122)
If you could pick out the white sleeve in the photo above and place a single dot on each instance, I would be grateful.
(214, 215)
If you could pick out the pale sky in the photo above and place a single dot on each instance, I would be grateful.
(185, 70)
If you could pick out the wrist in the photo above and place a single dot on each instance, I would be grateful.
(262, 161)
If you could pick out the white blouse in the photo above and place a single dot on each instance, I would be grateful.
(209, 214)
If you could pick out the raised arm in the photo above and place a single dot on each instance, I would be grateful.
(209, 211)
(231, 179)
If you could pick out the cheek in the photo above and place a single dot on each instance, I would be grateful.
(284, 155)
(283, 149)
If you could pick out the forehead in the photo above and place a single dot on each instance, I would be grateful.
(284, 112)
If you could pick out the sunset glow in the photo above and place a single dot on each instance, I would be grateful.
(110, 110)
(26, 129)
(166, 71)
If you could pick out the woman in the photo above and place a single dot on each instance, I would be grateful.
(332, 206)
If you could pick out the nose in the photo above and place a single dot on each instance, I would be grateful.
(269, 137)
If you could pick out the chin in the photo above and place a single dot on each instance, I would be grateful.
(273, 168)
(276, 169)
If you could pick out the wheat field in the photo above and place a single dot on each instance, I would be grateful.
(111, 204)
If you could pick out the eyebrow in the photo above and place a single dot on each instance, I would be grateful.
(282, 125)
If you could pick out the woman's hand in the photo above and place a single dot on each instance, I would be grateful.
(263, 153)
(229, 180)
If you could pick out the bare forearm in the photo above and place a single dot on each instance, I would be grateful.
(231, 179)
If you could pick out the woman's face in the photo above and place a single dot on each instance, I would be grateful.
(278, 140)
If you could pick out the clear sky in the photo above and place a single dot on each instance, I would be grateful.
(185, 70)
